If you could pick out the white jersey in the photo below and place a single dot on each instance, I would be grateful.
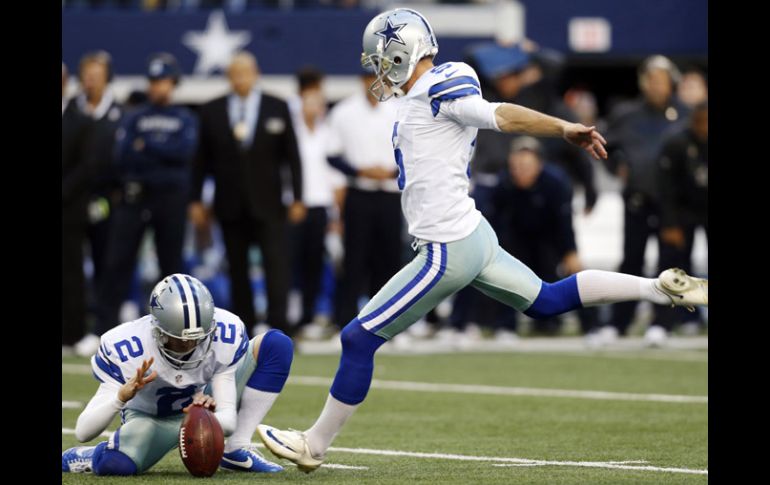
(123, 349)
(434, 139)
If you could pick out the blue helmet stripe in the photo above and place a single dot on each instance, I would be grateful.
(427, 26)
(184, 301)
(195, 300)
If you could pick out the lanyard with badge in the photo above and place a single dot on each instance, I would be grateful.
(241, 129)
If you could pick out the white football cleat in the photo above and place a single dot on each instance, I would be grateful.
(683, 289)
(291, 445)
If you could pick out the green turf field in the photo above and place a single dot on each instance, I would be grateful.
(539, 439)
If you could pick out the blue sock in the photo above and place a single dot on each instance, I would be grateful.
(273, 362)
(555, 299)
(111, 462)
(354, 375)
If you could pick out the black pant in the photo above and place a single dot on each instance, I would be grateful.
(98, 235)
(98, 239)
(308, 239)
(163, 211)
(271, 237)
(641, 220)
(674, 257)
(73, 308)
(373, 247)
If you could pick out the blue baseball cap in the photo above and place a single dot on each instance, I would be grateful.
(162, 66)
(494, 60)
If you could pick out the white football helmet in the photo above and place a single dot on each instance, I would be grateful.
(394, 42)
(182, 308)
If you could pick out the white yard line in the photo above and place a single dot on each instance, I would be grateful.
(345, 467)
(82, 369)
(475, 389)
(498, 461)
(591, 464)
(71, 405)
(508, 391)
(538, 345)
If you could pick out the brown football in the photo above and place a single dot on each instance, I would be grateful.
(201, 442)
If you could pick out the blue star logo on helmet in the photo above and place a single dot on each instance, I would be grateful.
(390, 33)
(154, 302)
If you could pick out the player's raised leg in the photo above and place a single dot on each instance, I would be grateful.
(438, 270)
(510, 281)
(260, 377)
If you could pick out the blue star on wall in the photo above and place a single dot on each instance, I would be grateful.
(390, 33)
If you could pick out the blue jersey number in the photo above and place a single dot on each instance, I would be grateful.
(439, 69)
(125, 345)
(224, 335)
(399, 158)
(170, 396)
(400, 163)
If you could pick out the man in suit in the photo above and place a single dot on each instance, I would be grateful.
(246, 141)
(76, 173)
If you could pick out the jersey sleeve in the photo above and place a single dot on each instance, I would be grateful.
(223, 390)
(472, 111)
(105, 364)
(242, 345)
(98, 414)
(231, 340)
(452, 81)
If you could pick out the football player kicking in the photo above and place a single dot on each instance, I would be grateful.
(198, 355)
(439, 114)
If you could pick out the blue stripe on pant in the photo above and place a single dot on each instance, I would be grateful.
(430, 274)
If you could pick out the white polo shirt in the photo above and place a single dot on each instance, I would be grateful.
(361, 134)
(319, 179)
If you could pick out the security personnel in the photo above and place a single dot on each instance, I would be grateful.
(634, 139)
(154, 149)
(684, 185)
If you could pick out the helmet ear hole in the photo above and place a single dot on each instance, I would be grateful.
(397, 60)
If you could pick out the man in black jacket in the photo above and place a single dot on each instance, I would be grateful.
(76, 174)
(246, 141)
(97, 102)
(684, 185)
(634, 139)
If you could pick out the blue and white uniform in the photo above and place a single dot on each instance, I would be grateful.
(433, 141)
(150, 420)
(123, 349)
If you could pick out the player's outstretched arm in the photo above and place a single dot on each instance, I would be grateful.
(108, 400)
(512, 118)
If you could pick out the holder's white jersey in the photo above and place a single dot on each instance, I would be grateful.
(434, 139)
(123, 349)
